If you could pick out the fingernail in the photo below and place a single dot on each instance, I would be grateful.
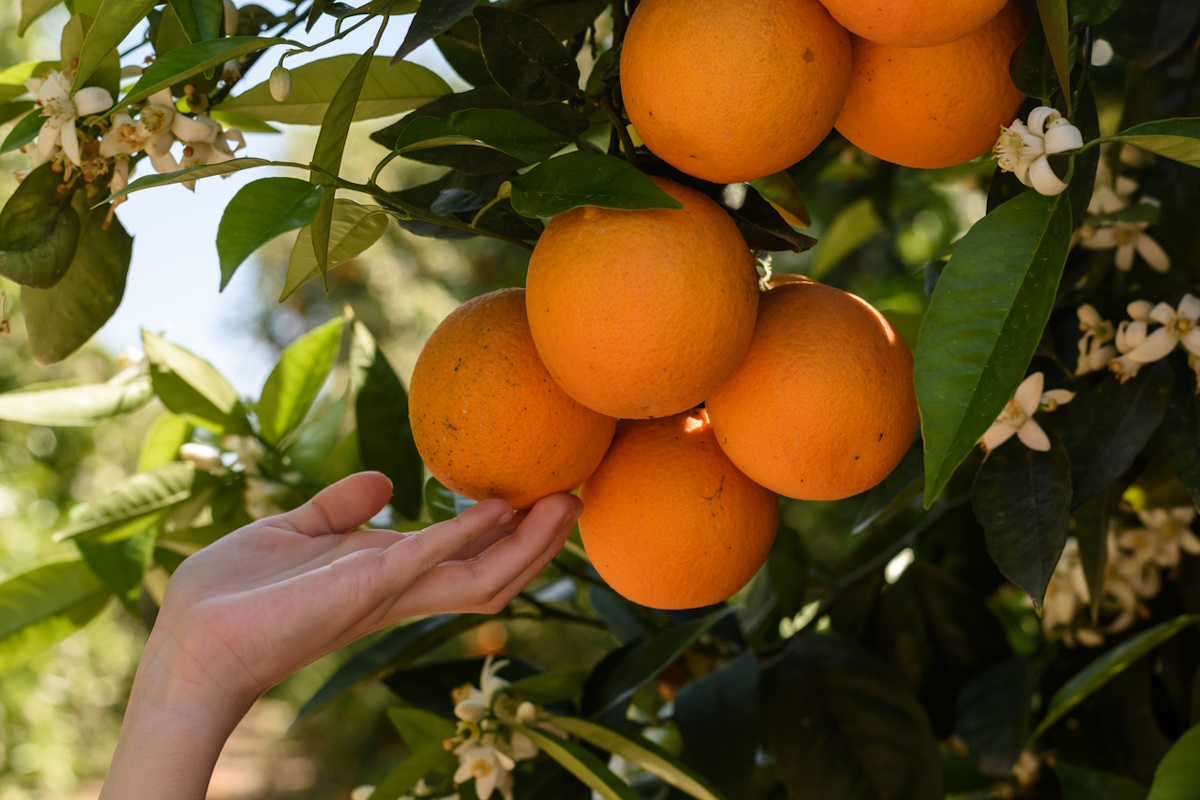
(507, 516)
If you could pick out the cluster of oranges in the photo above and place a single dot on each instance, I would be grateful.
(642, 365)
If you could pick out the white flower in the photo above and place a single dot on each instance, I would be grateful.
(1127, 238)
(201, 456)
(154, 129)
(489, 767)
(61, 109)
(1067, 591)
(1022, 149)
(471, 704)
(1017, 416)
(210, 145)
(1166, 532)
(123, 138)
(1095, 350)
(1139, 346)
(119, 179)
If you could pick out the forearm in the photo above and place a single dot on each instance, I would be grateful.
(173, 732)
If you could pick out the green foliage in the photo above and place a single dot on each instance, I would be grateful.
(258, 213)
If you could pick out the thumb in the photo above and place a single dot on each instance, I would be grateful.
(342, 507)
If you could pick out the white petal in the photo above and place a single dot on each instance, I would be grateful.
(234, 136)
(1038, 118)
(1139, 309)
(1191, 341)
(1100, 239)
(48, 139)
(1125, 257)
(1029, 393)
(1033, 437)
(1060, 138)
(1057, 397)
(1189, 307)
(163, 99)
(1089, 317)
(195, 131)
(92, 100)
(70, 141)
(1043, 179)
(996, 435)
(1163, 314)
(52, 91)
(1157, 345)
(1153, 253)
(1022, 172)
(163, 162)
(1126, 186)
(1189, 542)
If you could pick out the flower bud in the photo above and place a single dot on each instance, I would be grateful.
(201, 456)
(281, 83)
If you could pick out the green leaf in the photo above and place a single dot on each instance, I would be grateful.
(313, 444)
(353, 229)
(984, 322)
(1111, 425)
(581, 763)
(641, 751)
(297, 379)
(1022, 498)
(400, 781)
(718, 718)
(39, 231)
(10, 111)
(842, 726)
(398, 648)
(1082, 783)
(992, 715)
(420, 728)
(551, 687)
(525, 58)
(1108, 666)
(163, 440)
(23, 132)
(1090, 525)
(31, 10)
(460, 47)
(141, 498)
(585, 179)
(782, 192)
(385, 440)
(120, 564)
(201, 19)
(509, 132)
(75, 404)
(432, 17)
(244, 122)
(191, 59)
(851, 229)
(260, 211)
(1179, 434)
(62, 319)
(1053, 14)
(1178, 775)
(189, 385)
(442, 503)
(1092, 12)
(625, 670)
(896, 489)
(114, 21)
(195, 173)
(45, 604)
(1176, 139)
(386, 91)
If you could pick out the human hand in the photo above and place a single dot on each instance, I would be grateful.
(247, 611)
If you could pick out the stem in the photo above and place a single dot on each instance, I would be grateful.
(490, 205)
(548, 612)
(620, 22)
(374, 179)
(614, 117)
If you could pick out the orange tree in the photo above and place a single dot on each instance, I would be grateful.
(1009, 612)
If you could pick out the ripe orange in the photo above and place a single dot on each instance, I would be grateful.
(641, 314)
(668, 521)
(912, 23)
(730, 90)
(488, 420)
(933, 107)
(823, 406)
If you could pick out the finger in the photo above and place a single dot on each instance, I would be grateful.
(339, 508)
(478, 583)
(488, 539)
(425, 549)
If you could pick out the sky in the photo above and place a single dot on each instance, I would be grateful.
(174, 277)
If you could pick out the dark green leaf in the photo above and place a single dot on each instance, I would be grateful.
(189, 385)
(353, 229)
(624, 619)
(120, 564)
(1107, 667)
(992, 716)
(1178, 776)
(75, 404)
(581, 763)
(1177, 139)
(442, 503)
(401, 646)
(385, 440)
(641, 751)
(1090, 524)
(761, 225)
(1083, 180)
(387, 90)
(190, 60)
(1179, 435)
(897, 488)
(431, 684)
(141, 499)
(432, 17)
(296, 380)
(400, 781)
(565, 19)
(1148, 31)
(1053, 15)
(460, 47)
(624, 671)
(1091, 12)
(46, 604)
(841, 726)
(509, 132)
(551, 687)
(114, 21)
(39, 231)
(1111, 424)
(62, 319)
(201, 19)
(1081, 783)
(419, 728)
(260, 211)
(1022, 498)
(10, 111)
(23, 132)
(984, 322)
(717, 717)
(780, 190)
(525, 58)
(585, 179)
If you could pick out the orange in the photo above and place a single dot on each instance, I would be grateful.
(668, 521)
(731, 90)
(933, 107)
(823, 407)
(641, 314)
(912, 23)
(488, 420)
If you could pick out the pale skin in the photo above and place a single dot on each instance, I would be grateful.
(244, 613)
